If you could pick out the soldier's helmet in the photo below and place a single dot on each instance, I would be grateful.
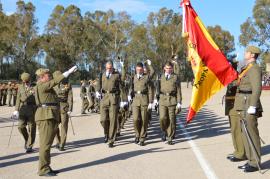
(42, 71)
(25, 77)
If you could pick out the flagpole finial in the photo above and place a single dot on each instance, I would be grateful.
(184, 2)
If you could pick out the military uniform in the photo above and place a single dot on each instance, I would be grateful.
(4, 94)
(83, 94)
(142, 96)
(170, 95)
(248, 96)
(47, 118)
(1, 94)
(123, 110)
(65, 99)
(9, 94)
(91, 96)
(14, 93)
(109, 86)
(239, 150)
(26, 106)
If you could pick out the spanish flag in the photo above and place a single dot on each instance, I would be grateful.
(211, 69)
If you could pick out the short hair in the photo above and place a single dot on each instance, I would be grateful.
(139, 64)
(168, 64)
(109, 63)
(256, 55)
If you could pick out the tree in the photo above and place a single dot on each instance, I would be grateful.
(165, 29)
(63, 39)
(223, 39)
(256, 29)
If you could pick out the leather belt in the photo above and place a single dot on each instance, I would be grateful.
(169, 94)
(107, 92)
(245, 92)
(48, 105)
(140, 92)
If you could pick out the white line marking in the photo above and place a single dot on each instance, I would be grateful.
(209, 172)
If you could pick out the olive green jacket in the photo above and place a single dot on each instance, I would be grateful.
(65, 97)
(145, 87)
(44, 93)
(251, 81)
(25, 101)
(172, 86)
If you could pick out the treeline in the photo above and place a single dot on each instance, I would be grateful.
(90, 39)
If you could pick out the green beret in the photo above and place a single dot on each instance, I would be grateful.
(42, 71)
(253, 50)
(25, 77)
(56, 73)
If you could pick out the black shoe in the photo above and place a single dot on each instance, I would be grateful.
(136, 140)
(61, 149)
(249, 169)
(110, 145)
(49, 174)
(163, 138)
(106, 139)
(170, 142)
(57, 146)
(142, 143)
(229, 156)
(234, 159)
(29, 150)
(243, 166)
(118, 134)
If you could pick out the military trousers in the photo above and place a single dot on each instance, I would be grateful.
(47, 131)
(122, 117)
(61, 134)
(252, 128)
(108, 120)
(85, 104)
(29, 135)
(140, 121)
(167, 119)
(239, 149)
(14, 100)
(9, 99)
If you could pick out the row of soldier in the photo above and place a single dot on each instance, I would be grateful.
(8, 93)
(50, 103)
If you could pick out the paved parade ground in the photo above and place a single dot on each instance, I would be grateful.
(199, 151)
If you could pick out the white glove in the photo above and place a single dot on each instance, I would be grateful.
(251, 110)
(178, 106)
(98, 95)
(68, 113)
(129, 98)
(121, 63)
(148, 62)
(15, 115)
(71, 70)
(122, 104)
(149, 106)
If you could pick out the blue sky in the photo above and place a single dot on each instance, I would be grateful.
(230, 14)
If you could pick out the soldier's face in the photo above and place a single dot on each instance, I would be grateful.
(46, 77)
(168, 69)
(139, 70)
(109, 68)
(247, 55)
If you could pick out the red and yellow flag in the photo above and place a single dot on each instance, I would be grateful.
(211, 69)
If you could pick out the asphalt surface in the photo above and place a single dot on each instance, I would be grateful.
(199, 151)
